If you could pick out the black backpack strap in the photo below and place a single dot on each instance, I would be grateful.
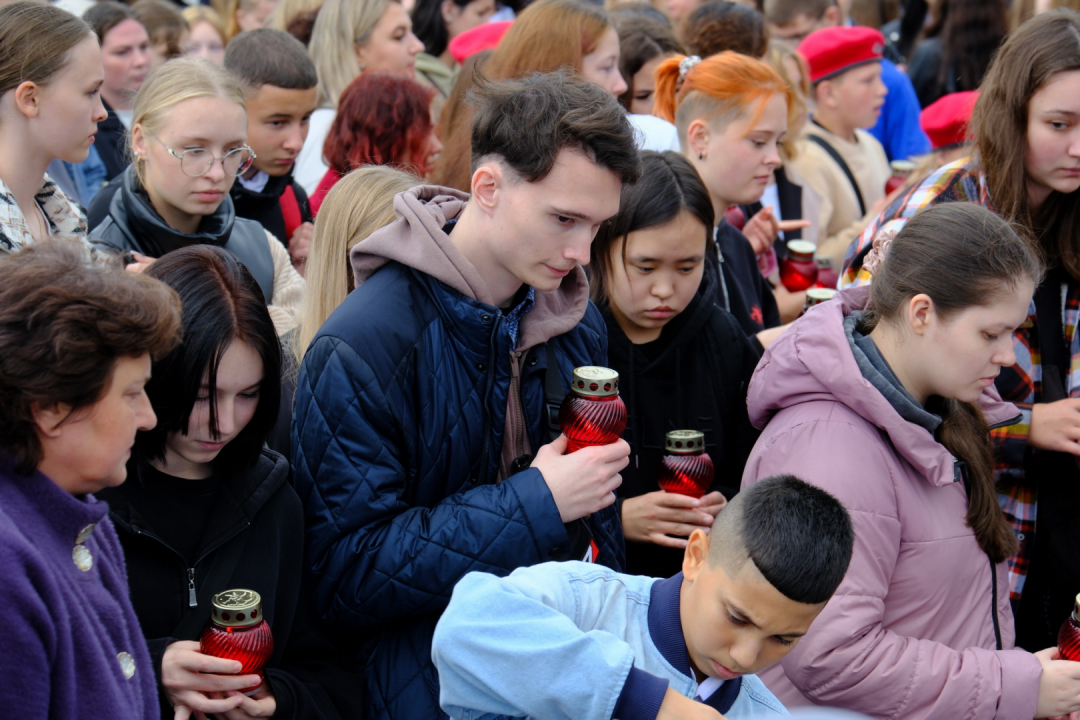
(817, 139)
(217, 580)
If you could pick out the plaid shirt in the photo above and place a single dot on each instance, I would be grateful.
(1020, 384)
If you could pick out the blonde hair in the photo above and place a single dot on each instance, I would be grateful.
(286, 10)
(173, 83)
(358, 205)
(340, 27)
(798, 110)
(195, 14)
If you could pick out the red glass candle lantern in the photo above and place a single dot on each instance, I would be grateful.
(592, 413)
(798, 270)
(901, 171)
(826, 276)
(1069, 635)
(237, 631)
(686, 468)
(816, 296)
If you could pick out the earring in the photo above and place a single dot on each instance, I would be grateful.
(701, 156)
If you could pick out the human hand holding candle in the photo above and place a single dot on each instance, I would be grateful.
(194, 682)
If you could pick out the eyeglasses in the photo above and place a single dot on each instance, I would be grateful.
(196, 162)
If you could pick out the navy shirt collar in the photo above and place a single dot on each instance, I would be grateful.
(665, 628)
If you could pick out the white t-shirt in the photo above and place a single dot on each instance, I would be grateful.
(652, 133)
(310, 168)
(707, 687)
(257, 183)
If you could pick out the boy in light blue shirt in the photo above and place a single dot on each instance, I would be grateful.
(572, 640)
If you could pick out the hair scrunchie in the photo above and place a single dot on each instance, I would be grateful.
(685, 66)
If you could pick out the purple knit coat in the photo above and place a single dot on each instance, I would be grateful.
(70, 644)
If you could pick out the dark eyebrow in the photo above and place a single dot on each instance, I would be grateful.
(640, 259)
(569, 213)
(743, 615)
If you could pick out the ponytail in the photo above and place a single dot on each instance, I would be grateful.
(984, 250)
(965, 434)
(719, 88)
(667, 79)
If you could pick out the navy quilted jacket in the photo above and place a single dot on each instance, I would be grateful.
(398, 427)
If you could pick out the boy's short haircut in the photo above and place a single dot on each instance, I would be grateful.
(525, 123)
(270, 57)
(798, 536)
(782, 12)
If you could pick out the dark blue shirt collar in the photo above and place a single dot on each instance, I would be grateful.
(665, 628)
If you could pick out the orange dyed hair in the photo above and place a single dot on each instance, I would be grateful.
(548, 35)
(719, 89)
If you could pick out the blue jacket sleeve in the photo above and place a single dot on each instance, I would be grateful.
(527, 645)
(375, 555)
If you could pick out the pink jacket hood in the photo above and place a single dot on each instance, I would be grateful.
(792, 371)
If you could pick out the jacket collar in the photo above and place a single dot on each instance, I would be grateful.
(133, 213)
(242, 495)
(665, 623)
(271, 193)
(65, 517)
(417, 240)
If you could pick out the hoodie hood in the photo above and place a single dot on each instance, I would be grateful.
(133, 213)
(813, 361)
(416, 240)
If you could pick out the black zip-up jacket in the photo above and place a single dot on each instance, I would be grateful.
(693, 377)
(259, 508)
(265, 207)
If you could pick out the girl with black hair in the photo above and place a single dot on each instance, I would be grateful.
(684, 363)
(436, 23)
(208, 509)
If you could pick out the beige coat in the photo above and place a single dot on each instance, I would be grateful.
(840, 219)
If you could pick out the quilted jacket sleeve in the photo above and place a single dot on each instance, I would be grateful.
(376, 556)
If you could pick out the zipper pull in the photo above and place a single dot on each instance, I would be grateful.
(192, 602)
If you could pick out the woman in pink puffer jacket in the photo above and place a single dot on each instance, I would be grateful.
(883, 397)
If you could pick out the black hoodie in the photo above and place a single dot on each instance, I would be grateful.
(259, 508)
(693, 377)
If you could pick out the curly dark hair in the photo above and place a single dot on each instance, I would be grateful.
(65, 319)
(718, 25)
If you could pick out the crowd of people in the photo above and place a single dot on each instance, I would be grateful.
(291, 294)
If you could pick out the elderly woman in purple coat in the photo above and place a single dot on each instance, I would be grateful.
(76, 342)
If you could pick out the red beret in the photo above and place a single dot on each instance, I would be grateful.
(945, 121)
(831, 51)
(480, 38)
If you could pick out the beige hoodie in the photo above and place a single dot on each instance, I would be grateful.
(416, 239)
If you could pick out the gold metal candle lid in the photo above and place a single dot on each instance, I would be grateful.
(236, 608)
(684, 442)
(801, 250)
(594, 381)
(816, 296)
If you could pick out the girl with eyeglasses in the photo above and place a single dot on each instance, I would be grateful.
(187, 138)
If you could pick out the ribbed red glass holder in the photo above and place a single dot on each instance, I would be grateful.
(686, 474)
(587, 421)
(1069, 640)
(252, 645)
